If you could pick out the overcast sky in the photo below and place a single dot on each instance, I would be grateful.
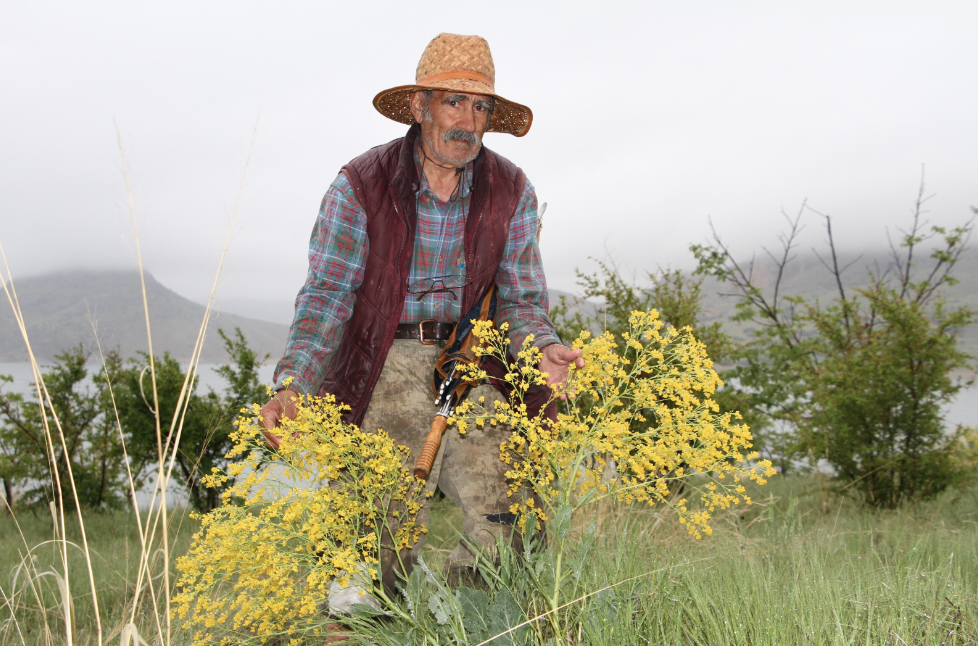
(649, 117)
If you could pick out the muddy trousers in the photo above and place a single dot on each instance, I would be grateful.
(467, 468)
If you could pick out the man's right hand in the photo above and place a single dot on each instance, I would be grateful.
(279, 407)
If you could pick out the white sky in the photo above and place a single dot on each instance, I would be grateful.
(648, 118)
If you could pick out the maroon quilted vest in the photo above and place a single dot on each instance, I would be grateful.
(385, 180)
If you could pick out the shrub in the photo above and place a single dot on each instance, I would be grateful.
(97, 415)
(39, 444)
(204, 421)
(660, 380)
(860, 380)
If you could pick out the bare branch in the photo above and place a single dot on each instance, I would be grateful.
(787, 244)
(914, 238)
(742, 279)
(836, 272)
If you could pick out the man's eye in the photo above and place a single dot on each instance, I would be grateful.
(453, 103)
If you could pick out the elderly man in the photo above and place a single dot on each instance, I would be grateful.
(410, 235)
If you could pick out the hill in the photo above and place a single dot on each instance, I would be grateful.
(806, 276)
(57, 310)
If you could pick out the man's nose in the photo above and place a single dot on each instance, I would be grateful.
(467, 120)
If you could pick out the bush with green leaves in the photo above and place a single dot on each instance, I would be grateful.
(675, 295)
(38, 461)
(204, 422)
(860, 380)
(99, 411)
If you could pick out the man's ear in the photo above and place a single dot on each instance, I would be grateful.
(416, 102)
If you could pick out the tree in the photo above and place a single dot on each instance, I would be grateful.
(244, 386)
(203, 422)
(860, 380)
(36, 462)
(36, 455)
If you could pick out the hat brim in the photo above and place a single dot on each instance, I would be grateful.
(507, 116)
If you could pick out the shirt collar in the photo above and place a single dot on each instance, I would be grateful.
(465, 188)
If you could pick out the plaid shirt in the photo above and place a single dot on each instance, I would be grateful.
(337, 252)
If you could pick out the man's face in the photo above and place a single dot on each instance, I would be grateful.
(452, 124)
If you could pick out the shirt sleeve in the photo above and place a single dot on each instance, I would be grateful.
(337, 253)
(523, 299)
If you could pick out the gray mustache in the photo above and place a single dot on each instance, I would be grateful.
(457, 134)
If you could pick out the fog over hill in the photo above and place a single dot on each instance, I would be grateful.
(806, 275)
(59, 310)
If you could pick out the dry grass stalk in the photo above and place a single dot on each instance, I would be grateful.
(44, 397)
(157, 520)
(168, 450)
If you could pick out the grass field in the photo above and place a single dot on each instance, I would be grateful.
(801, 566)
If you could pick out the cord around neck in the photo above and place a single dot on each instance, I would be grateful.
(459, 171)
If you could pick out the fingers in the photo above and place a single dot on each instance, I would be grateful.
(556, 362)
(271, 440)
(557, 373)
(562, 355)
(271, 413)
(282, 405)
(573, 356)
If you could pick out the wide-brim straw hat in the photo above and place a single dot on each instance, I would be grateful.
(457, 64)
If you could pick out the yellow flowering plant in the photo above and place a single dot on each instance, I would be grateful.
(642, 415)
(293, 523)
(647, 418)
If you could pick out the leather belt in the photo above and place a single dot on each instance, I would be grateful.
(428, 332)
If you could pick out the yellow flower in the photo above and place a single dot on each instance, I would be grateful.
(644, 407)
(264, 560)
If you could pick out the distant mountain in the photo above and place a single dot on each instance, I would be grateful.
(57, 310)
(807, 276)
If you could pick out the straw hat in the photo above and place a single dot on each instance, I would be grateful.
(461, 64)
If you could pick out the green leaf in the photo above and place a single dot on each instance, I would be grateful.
(473, 603)
(561, 522)
(603, 614)
(440, 607)
(505, 613)
(365, 611)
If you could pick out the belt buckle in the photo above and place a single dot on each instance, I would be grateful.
(421, 332)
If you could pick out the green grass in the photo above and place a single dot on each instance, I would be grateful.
(114, 544)
(801, 566)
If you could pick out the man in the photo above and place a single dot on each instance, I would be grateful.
(409, 236)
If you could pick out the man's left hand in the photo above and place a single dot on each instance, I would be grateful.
(556, 363)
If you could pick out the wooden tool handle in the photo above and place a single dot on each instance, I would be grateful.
(430, 449)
